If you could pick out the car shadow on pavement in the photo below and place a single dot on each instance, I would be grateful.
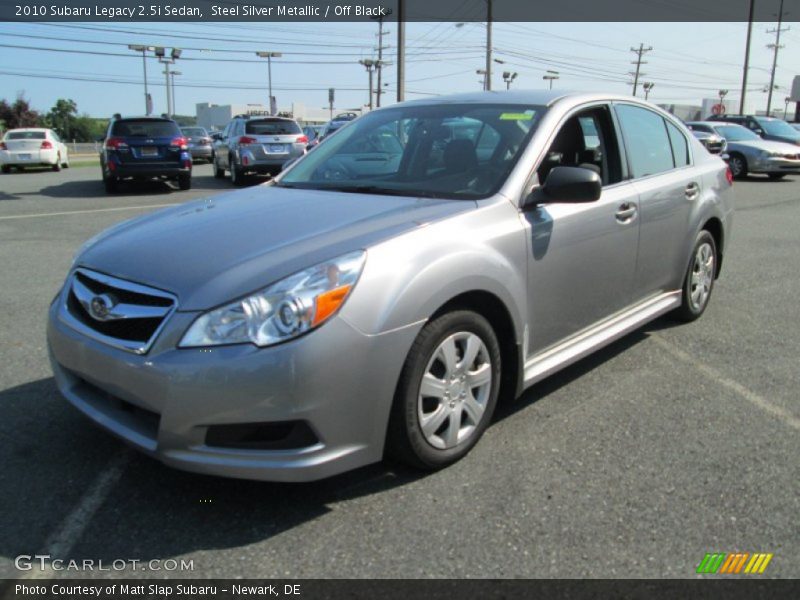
(155, 512)
(95, 189)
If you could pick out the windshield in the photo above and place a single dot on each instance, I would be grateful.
(778, 127)
(736, 133)
(441, 151)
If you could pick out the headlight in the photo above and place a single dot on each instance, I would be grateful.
(281, 311)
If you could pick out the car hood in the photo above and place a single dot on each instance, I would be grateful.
(757, 145)
(212, 251)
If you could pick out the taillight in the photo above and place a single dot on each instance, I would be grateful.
(729, 175)
(46, 145)
(179, 142)
(247, 140)
(116, 143)
(303, 139)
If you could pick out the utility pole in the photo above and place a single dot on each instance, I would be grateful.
(640, 52)
(488, 84)
(381, 62)
(746, 67)
(401, 50)
(776, 47)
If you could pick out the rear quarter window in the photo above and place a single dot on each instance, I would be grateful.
(145, 128)
(272, 127)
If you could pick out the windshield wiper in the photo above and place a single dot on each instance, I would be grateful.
(382, 191)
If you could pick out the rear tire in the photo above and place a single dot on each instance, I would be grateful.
(218, 173)
(6, 168)
(237, 176)
(185, 181)
(776, 176)
(57, 166)
(456, 360)
(698, 282)
(111, 184)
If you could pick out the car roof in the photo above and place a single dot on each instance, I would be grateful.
(141, 118)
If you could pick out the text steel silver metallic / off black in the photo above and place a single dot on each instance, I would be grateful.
(388, 288)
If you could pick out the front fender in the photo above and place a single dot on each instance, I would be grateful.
(408, 278)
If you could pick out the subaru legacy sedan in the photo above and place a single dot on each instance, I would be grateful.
(379, 296)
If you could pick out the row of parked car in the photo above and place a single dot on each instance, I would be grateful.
(751, 144)
(155, 147)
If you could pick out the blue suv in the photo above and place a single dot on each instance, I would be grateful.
(145, 148)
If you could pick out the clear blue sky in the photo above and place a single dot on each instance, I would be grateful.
(689, 61)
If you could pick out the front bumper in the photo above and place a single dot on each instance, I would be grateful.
(776, 165)
(164, 402)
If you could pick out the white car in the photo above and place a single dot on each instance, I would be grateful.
(32, 147)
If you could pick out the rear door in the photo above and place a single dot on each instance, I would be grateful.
(660, 162)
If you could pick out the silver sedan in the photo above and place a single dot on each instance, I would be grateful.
(383, 293)
(749, 153)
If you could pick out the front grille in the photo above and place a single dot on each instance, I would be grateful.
(120, 313)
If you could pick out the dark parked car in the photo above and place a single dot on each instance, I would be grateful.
(314, 134)
(199, 143)
(337, 123)
(140, 148)
(768, 128)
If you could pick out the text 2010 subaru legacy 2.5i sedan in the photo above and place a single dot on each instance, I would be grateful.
(388, 287)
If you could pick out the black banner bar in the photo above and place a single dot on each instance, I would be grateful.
(266, 11)
(731, 588)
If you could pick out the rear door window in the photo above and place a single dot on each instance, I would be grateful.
(680, 147)
(647, 141)
(272, 127)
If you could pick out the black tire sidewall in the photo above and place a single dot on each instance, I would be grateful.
(417, 449)
(688, 311)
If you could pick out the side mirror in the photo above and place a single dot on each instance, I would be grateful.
(568, 184)
(758, 131)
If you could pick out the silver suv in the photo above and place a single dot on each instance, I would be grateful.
(388, 288)
(256, 144)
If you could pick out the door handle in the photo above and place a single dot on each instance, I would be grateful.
(625, 212)
(692, 191)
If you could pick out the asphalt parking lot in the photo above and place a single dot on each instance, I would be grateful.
(676, 441)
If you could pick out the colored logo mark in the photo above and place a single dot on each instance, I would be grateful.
(734, 563)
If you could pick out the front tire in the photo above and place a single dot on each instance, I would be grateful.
(447, 392)
(738, 165)
(6, 169)
(699, 280)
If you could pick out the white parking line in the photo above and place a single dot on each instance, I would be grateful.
(63, 540)
(734, 386)
(83, 212)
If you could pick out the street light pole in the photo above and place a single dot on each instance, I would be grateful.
(143, 50)
(172, 77)
(174, 55)
(269, 56)
(647, 86)
(551, 76)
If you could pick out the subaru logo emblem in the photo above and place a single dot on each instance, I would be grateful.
(100, 307)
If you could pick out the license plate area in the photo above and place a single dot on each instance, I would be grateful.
(148, 151)
(25, 156)
(276, 149)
